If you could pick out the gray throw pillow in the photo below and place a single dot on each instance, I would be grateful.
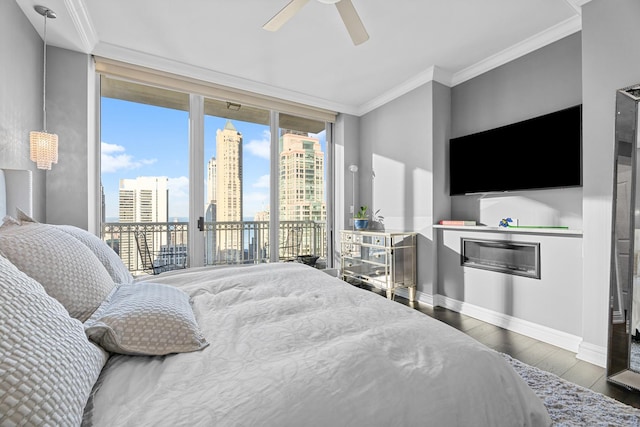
(63, 265)
(107, 256)
(146, 319)
(47, 365)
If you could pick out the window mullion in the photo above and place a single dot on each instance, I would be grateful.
(196, 178)
(274, 174)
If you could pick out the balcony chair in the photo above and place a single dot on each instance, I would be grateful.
(150, 265)
(289, 248)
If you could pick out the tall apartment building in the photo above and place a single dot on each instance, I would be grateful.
(212, 174)
(144, 199)
(301, 182)
(210, 215)
(229, 190)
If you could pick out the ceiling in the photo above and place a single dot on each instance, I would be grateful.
(311, 59)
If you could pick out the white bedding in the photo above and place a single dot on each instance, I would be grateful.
(292, 346)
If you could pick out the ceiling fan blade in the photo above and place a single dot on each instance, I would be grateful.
(284, 15)
(352, 22)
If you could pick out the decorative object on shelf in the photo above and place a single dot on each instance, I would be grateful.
(504, 222)
(44, 145)
(361, 220)
(457, 222)
(377, 221)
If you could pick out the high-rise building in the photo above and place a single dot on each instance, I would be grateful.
(301, 182)
(210, 244)
(211, 181)
(144, 199)
(229, 190)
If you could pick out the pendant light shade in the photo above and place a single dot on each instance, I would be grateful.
(44, 148)
(44, 145)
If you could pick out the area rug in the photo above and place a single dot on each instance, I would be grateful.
(571, 405)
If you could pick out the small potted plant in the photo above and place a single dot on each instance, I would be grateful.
(361, 220)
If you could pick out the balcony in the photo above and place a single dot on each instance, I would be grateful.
(241, 242)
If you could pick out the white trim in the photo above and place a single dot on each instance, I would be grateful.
(85, 29)
(91, 44)
(196, 179)
(544, 38)
(592, 353)
(118, 53)
(585, 351)
(433, 73)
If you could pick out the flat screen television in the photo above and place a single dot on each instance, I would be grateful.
(542, 152)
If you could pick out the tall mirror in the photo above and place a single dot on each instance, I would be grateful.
(623, 359)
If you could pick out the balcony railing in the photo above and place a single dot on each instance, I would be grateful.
(241, 242)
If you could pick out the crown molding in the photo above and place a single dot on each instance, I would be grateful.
(432, 73)
(176, 67)
(86, 33)
(553, 34)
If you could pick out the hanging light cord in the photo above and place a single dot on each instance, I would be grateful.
(44, 78)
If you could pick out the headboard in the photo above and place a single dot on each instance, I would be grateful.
(15, 192)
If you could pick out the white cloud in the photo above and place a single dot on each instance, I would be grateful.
(262, 182)
(111, 161)
(260, 147)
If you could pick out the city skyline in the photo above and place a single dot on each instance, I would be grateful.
(143, 140)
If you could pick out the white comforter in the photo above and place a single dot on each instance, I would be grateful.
(292, 346)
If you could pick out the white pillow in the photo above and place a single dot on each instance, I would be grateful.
(47, 365)
(146, 319)
(107, 256)
(65, 267)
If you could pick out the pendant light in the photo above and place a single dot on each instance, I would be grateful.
(44, 145)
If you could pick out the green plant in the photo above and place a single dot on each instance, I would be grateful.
(362, 213)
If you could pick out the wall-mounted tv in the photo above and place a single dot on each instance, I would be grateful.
(542, 152)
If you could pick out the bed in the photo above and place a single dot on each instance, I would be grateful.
(279, 344)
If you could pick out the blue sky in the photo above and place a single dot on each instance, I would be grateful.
(144, 140)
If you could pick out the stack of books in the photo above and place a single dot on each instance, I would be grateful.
(456, 222)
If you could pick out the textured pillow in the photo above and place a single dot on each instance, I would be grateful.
(107, 256)
(65, 267)
(146, 319)
(47, 365)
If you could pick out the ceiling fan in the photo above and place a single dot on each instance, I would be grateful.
(345, 8)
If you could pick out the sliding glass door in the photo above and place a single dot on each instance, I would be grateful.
(237, 168)
(144, 174)
(208, 181)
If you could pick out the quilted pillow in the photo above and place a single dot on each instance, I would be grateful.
(47, 365)
(146, 319)
(107, 256)
(64, 266)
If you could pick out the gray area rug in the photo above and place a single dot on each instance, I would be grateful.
(571, 405)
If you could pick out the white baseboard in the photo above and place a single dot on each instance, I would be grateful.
(592, 353)
(584, 351)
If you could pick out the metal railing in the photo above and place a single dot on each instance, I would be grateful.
(232, 242)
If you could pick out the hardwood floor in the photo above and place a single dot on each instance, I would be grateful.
(536, 353)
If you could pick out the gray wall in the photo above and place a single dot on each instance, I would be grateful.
(610, 34)
(404, 142)
(20, 96)
(69, 114)
(541, 82)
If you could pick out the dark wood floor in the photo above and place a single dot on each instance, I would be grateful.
(536, 353)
